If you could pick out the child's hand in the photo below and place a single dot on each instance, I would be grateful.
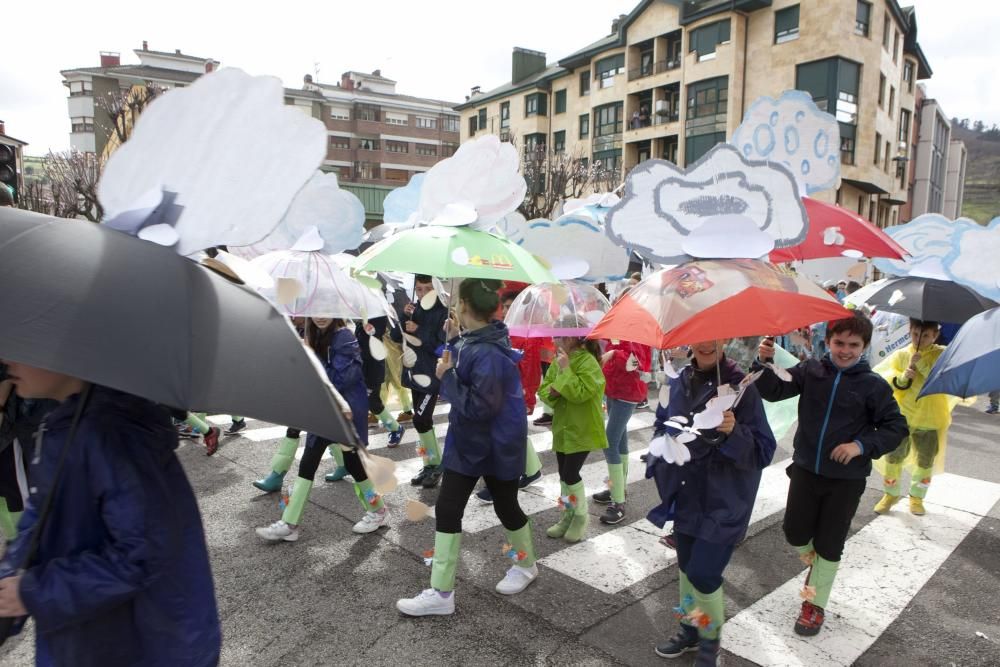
(411, 326)
(728, 422)
(910, 373)
(843, 453)
(562, 359)
(554, 393)
(444, 363)
(409, 308)
(10, 598)
(607, 356)
(766, 350)
(451, 326)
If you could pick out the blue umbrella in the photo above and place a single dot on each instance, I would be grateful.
(970, 365)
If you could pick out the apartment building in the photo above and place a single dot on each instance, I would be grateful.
(673, 79)
(90, 123)
(939, 164)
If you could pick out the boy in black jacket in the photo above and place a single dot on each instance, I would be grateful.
(847, 417)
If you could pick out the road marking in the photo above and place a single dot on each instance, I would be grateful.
(625, 555)
(885, 564)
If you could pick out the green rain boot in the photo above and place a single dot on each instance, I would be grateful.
(388, 421)
(8, 521)
(686, 638)
(709, 613)
(817, 594)
(286, 529)
(807, 554)
(616, 473)
(340, 471)
(439, 599)
(280, 464)
(918, 489)
(520, 548)
(578, 523)
(560, 528)
(371, 502)
(430, 451)
(532, 464)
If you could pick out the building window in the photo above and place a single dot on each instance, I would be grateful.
(396, 119)
(80, 88)
(397, 147)
(862, 18)
(343, 143)
(885, 158)
(448, 149)
(908, 75)
(504, 115)
(426, 149)
(862, 200)
(786, 25)
(892, 99)
(703, 40)
(534, 143)
(343, 173)
(886, 31)
(400, 175)
(427, 123)
(368, 112)
(847, 144)
(560, 101)
(585, 126)
(881, 91)
(608, 119)
(878, 149)
(451, 123)
(534, 105)
(339, 113)
(366, 170)
(895, 48)
(585, 82)
(82, 124)
(482, 119)
(368, 144)
(472, 125)
(608, 68)
(904, 128)
(708, 98)
(608, 161)
(559, 141)
(695, 147)
(833, 84)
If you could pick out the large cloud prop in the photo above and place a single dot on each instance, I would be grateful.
(973, 258)
(482, 175)
(663, 204)
(793, 131)
(336, 214)
(574, 238)
(229, 148)
(929, 239)
(514, 226)
(403, 202)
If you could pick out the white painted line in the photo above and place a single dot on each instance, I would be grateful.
(624, 556)
(225, 420)
(884, 565)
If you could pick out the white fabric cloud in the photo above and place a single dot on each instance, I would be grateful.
(973, 260)
(663, 203)
(337, 215)
(928, 239)
(483, 174)
(793, 131)
(573, 238)
(231, 150)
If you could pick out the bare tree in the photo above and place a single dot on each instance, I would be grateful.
(73, 178)
(555, 176)
(123, 107)
(36, 197)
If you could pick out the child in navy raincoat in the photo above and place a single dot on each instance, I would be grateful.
(121, 575)
(709, 498)
(486, 434)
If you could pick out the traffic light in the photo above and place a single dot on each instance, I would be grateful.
(8, 168)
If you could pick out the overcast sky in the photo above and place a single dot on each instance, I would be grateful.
(436, 48)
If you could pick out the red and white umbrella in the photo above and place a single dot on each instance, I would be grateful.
(837, 232)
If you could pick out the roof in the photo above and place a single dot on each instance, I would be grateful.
(534, 81)
(299, 92)
(586, 53)
(388, 96)
(5, 138)
(175, 54)
(912, 46)
(139, 71)
(374, 77)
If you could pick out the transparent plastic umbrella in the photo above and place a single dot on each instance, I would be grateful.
(551, 310)
(311, 284)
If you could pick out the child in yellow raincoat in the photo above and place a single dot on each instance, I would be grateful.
(922, 451)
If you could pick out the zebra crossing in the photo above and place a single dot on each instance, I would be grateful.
(872, 588)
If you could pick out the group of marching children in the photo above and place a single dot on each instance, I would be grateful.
(849, 415)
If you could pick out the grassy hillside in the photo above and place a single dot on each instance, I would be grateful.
(982, 175)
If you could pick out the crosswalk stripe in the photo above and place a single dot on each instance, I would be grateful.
(226, 420)
(625, 555)
(883, 567)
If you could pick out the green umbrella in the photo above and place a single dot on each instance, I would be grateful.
(454, 252)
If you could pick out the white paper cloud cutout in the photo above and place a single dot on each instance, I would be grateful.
(973, 259)
(928, 239)
(403, 202)
(576, 236)
(337, 215)
(663, 203)
(230, 148)
(793, 131)
(483, 173)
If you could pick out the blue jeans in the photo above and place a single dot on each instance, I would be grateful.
(619, 412)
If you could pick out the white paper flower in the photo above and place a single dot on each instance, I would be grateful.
(663, 203)
(231, 150)
(793, 131)
(483, 173)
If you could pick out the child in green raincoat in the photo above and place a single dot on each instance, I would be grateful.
(573, 387)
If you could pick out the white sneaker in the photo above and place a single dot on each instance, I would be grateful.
(428, 603)
(370, 522)
(517, 579)
(278, 531)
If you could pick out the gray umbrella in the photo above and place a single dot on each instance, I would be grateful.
(87, 301)
(929, 299)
